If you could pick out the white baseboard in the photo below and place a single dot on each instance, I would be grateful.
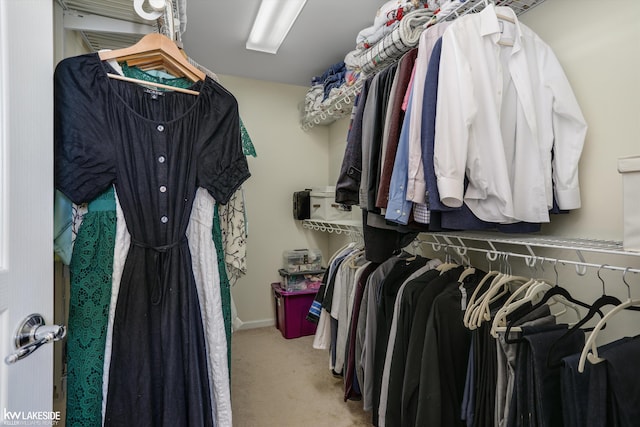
(253, 324)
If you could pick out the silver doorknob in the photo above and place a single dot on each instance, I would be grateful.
(31, 335)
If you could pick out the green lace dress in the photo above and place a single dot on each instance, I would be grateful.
(91, 268)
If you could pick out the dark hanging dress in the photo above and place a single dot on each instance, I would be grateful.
(157, 148)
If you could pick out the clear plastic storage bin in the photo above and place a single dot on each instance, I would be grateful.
(292, 282)
(301, 260)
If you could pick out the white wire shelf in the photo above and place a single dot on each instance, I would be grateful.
(347, 228)
(575, 251)
(525, 246)
(552, 242)
(336, 108)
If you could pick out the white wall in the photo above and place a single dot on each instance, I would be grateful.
(337, 143)
(288, 160)
(600, 53)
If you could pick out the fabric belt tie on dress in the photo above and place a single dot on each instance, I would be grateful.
(159, 285)
(162, 248)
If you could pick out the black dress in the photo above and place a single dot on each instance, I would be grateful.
(157, 148)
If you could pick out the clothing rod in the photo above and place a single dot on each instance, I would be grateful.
(462, 250)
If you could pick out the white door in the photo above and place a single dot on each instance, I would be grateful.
(26, 203)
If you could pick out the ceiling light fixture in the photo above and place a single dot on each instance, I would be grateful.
(275, 19)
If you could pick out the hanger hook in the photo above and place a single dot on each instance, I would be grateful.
(600, 277)
(531, 263)
(490, 258)
(555, 269)
(624, 280)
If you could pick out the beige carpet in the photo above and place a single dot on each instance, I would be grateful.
(277, 382)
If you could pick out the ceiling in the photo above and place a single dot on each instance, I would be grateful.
(216, 33)
(321, 36)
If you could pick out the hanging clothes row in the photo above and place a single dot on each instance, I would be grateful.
(528, 337)
(142, 328)
(476, 129)
(427, 343)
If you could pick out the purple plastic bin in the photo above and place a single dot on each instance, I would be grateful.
(291, 311)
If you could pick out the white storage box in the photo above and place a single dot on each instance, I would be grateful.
(629, 167)
(324, 206)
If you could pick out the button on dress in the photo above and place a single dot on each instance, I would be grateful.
(113, 132)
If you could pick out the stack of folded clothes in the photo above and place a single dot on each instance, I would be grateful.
(330, 85)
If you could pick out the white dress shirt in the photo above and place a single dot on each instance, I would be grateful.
(508, 118)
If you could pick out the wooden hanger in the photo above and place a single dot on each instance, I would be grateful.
(506, 18)
(155, 51)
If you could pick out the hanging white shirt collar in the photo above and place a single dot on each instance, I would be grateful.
(490, 24)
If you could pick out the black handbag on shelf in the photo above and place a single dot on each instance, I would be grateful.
(302, 204)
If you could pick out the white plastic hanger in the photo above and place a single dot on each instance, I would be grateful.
(531, 289)
(476, 299)
(447, 265)
(497, 291)
(590, 350)
(466, 273)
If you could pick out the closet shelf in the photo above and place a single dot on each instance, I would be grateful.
(500, 247)
(393, 46)
(522, 246)
(335, 108)
(114, 24)
(348, 228)
(611, 247)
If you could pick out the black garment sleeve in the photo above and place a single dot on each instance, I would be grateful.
(348, 185)
(222, 166)
(84, 151)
